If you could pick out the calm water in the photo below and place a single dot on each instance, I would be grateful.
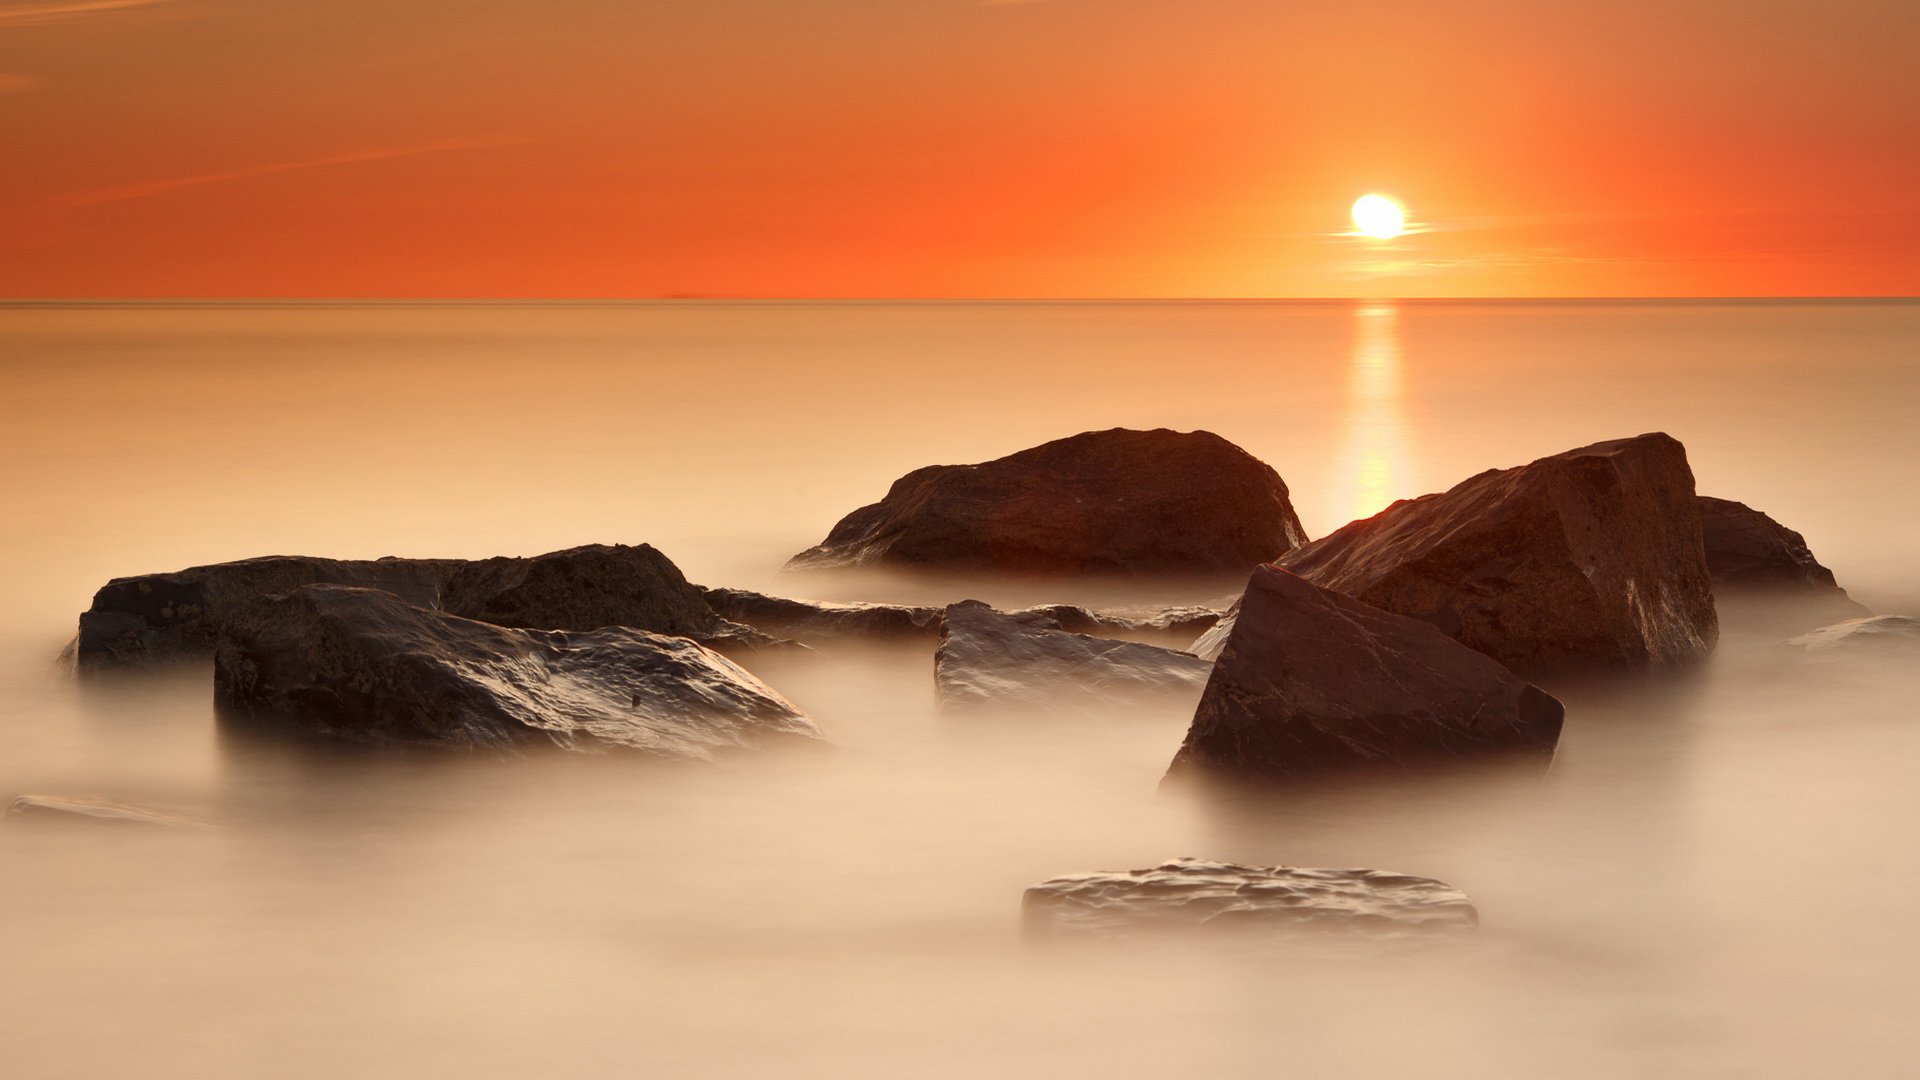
(1715, 880)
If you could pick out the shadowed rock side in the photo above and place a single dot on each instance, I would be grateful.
(60, 809)
(810, 621)
(1880, 635)
(1194, 894)
(1591, 558)
(987, 657)
(1103, 502)
(1748, 549)
(159, 617)
(1312, 682)
(364, 665)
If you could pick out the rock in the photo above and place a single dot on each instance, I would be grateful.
(1879, 635)
(1180, 622)
(1746, 548)
(366, 666)
(1195, 894)
(808, 621)
(1591, 558)
(1312, 682)
(63, 809)
(988, 657)
(1103, 502)
(160, 617)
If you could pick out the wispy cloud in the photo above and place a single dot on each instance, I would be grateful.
(148, 188)
(41, 12)
(13, 83)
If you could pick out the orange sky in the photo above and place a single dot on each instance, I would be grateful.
(627, 148)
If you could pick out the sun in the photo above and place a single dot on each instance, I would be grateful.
(1379, 217)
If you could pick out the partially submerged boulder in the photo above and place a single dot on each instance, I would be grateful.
(160, 617)
(1196, 894)
(805, 620)
(1747, 549)
(1103, 502)
(989, 657)
(63, 809)
(1591, 558)
(366, 666)
(1311, 682)
(1878, 635)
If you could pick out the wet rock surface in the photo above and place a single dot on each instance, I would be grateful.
(70, 810)
(1310, 682)
(365, 666)
(806, 620)
(1588, 559)
(1106, 502)
(989, 657)
(1878, 635)
(177, 616)
(1195, 895)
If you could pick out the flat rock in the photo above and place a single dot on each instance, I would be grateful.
(1878, 635)
(1116, 502)
(162, 617)
(989, 657)
(365, 666)
(1311, 682)
(1588, 559)
(1195, 894)
(805, 620)
(89, 811)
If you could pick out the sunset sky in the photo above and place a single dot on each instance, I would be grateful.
(924, 148)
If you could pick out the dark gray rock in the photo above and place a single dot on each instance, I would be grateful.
(1194, 894)
(161, 617)
(988, 657)
(366, 666)
(1103, 502)
(1588, 559)
(1311, 682)
(60, 809)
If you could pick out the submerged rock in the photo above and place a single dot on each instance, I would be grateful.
(366, 666)
(1312, 682)
(1102, 502)
(87, 811)
(1878, 635)
(1195, 894)
(989, 657)
(805, 620)
(160, 617)
(1591, 558)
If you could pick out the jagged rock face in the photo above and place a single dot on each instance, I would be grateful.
(1311, 682)
(1194, 894)
(805, 620)
(988, 657)
(158, 617)
(1103, 502)
(1880, 635)
(1746, 548)
(1591, 558)
(364, 665)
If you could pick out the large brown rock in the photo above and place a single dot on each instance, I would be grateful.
(1311, 682)
(1591, 558)
(1102, 502)
(1199, 895)
(157, 617)
(1747, 549)
(989, 657)
(366, 666)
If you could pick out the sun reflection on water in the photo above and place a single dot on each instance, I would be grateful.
(1374, 467)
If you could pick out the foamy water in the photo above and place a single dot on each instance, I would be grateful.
(1713, 880)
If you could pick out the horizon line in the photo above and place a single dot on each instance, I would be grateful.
(24, 301)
